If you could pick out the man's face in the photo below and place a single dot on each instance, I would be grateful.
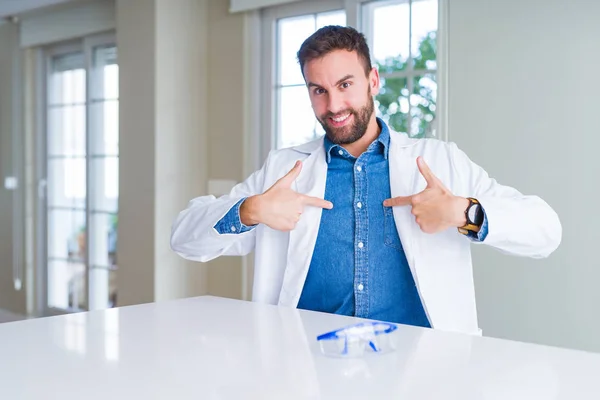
(341, 94)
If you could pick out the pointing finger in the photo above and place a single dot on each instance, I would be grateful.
(316, 202)
(398, 201)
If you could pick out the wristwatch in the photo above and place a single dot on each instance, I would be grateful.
(474, 215)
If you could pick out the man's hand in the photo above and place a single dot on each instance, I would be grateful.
(435, 208)
(280, 207)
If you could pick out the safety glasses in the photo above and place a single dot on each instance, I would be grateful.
(353, 340)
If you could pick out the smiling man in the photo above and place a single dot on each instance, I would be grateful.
(365, 221)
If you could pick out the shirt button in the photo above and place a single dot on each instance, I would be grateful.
(360, 245)
(359, 168)
(233, 229)
(341, 153)
(359, 204)
(360, 287)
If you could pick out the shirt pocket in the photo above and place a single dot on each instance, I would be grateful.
(391, 237)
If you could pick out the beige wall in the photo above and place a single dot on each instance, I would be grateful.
(181, 124)
(136, 32)
(181, 136)
(10, 299)
(163, 134)
(225, 124)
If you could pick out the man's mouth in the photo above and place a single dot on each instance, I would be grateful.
(340, 120)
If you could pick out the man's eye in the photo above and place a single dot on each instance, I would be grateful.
(319, 91)
(346, 85)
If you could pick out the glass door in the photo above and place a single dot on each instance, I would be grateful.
(81, 202)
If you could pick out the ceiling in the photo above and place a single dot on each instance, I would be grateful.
(14, 7)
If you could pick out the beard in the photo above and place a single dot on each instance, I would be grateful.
(352, 132)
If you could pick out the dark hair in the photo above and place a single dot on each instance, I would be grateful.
(331, 38)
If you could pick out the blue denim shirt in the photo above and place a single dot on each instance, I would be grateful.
(358, 267)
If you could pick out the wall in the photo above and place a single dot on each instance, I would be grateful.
(225, 124)
(10, 299)
(181, 136)
(523, 87)
(136, 33)
(182, 65)
(162, 61)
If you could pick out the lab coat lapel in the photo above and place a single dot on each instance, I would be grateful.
(403, 171)
(302, 240)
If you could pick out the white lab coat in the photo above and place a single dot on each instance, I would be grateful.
(440, 263)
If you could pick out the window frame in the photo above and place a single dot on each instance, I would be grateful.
(354, 17)
(86, 46)
(270, 16)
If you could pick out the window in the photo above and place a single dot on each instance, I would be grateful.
(403, 38)
(296, 123)
(82, 150)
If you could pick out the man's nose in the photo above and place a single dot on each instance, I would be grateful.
(335, 104)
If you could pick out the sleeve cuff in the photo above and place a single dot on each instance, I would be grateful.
(231, 223)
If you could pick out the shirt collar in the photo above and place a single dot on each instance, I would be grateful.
(383, 139)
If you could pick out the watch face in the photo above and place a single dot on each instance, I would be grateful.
(472, 212)
(475, 214)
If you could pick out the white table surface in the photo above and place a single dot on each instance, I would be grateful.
(213, 348)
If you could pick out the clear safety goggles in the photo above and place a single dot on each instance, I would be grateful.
(351, 341)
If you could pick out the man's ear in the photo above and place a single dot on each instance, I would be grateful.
(374, 81)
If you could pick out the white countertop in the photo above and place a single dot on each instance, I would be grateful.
(212, 348)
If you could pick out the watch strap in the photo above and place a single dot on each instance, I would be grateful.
(469, 227)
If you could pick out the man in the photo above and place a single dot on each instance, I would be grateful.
(365, 221)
